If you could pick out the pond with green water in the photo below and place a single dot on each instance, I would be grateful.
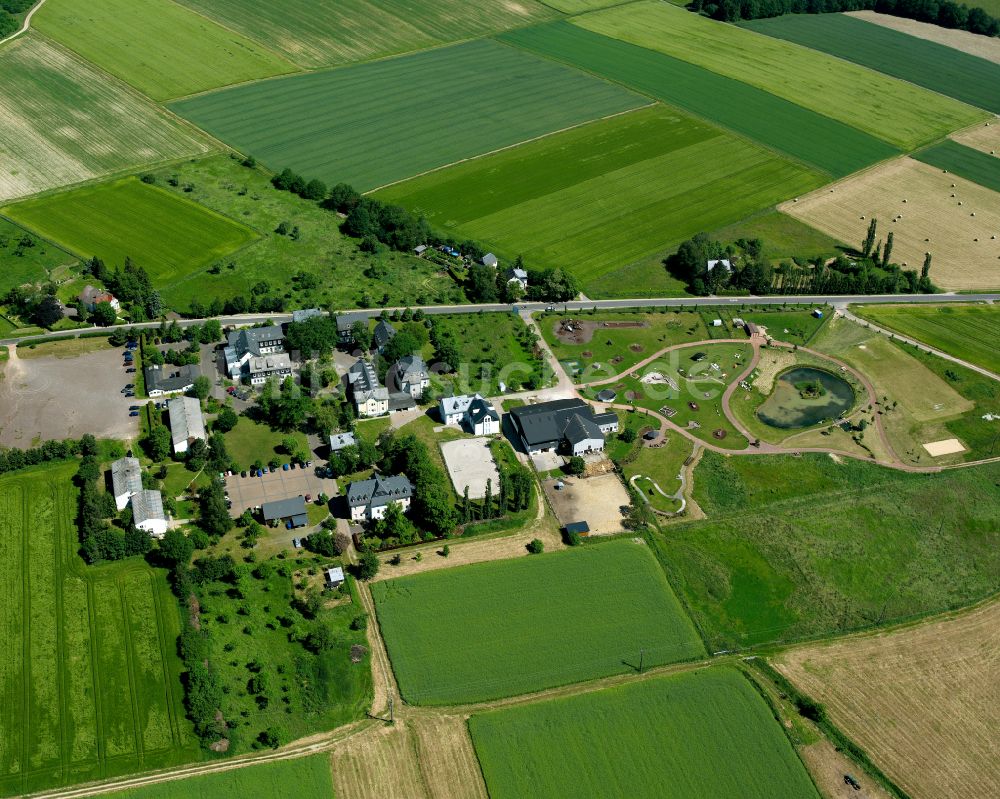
(805, 396)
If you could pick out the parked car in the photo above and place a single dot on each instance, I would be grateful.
(133, 413)
(284, 467)
(134, 407)
(308, 463)
(264, 469)
(260, 472)
(243, 474)
(231, 390)
(309, 497)
(130, 370)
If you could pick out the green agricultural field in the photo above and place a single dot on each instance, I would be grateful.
(316, 33)
(784, 236)
(511, 627)
(310, 776)
(813, 138)
(934, 66)
(24, 258)
(897, 112)
(336, 274)
(161, 48)
(168, 236)
(974, 165)
(593, 199)
(580, 6)
(807, 546)
(65, 122)
(969, 332)
(251, 441)
(446, 105)
(90, 683)
(702, 735)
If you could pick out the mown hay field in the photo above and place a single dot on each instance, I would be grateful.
(158, 46)
(922, 701)
(818, 140)
(969, 332)
(808, 546)
(932, 220)
(90, 682)
(601, 196)
(62, 121)
(900, 113)
(967, 162)
(987, 47)
(310, 777)
(448, 104)
(317, 33)
(702, 735)
(934, 66)
(512, 627)
(168, 236)
(984, 137)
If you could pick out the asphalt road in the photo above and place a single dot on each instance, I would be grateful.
(565, 307)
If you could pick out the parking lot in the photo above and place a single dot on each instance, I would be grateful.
(594, 500)
(470, 463)
(248, 492)
(49, 397)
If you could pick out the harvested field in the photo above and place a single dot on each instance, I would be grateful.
(972, 43)
(930, 212)
(595, 500)
(923, 701)
(984, 137)
(63, 121)
(350, 124)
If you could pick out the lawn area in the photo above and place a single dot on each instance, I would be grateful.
(168, 236)
(703, 735)
(112, 128)
(38, 262)
(969, 332)
(934, 66)
(371, 429)
(463, 634)
(595, 198)
(795, 326)
(349, 125)
(251, 441)
(337, 274)
(605, 344)
(897, 112)
(974, 165)
(90, 682)
(316, 33)
(784, 237)
(660, 465)
(808, 546)
(158, 46)
(828, 145)
(310, 776)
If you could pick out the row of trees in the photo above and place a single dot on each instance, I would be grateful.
(13, 459)
(945, 13)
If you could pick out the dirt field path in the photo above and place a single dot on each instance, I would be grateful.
(26, 24)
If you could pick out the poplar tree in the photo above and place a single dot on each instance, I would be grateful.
(869, 242)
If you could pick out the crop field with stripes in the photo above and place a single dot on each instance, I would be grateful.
(445, 105)
(90, 684)
(607, 194)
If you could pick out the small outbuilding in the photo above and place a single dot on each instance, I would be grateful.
(334, 577)
(579, 528)
(606, 395)
(291, 511)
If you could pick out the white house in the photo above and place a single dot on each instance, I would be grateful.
(722, 263)
(409, 375)
(126, 480)
(251, 342)
(186, 422)
(489, 260)
(261, 368)
(370, 397)
(476, 414)
(147, 513)
(519, 276)
(90, 297)
(368, 499)
(162, 381)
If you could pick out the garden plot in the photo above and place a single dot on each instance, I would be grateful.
(470, 465)
(957, 221)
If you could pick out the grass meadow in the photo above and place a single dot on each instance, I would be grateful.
(65, 121)
(511, 627)
(251, 441)
(168, 236)
(784, 236)
(934, 66)
(702, 735)
(824, 143)
(969, 332)
(317, 33)
(310, 776)
(800, 547)
(446, 104)
(897, 112)
(20, 264)
(602, 195)
(158, 46)
(338, 275)
(90, 685)
(966, 162)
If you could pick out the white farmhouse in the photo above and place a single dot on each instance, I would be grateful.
(147, 513)
(126, 480)
(186, 422)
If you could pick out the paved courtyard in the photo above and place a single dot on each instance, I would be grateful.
(470, 463)
(248, 492)
(594, 500)
(44, 398)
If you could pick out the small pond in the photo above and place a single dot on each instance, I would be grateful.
(805, 396)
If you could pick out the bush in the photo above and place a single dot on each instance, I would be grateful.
(536, 546)
(810, 708)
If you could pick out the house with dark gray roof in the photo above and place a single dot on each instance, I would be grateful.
(368, 499)
(345, 321)
(481, 418)
(383, 334)
(306, 314)
(410, 375)
(291, 512)
(164, 380)
(370, 397)
(251, 342)
(569, 426)
(126, 480)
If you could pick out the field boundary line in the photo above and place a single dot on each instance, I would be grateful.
(65, 754)
(140, 749)
(26, 25)
(520, 143)
(175, 730)
(26, 637)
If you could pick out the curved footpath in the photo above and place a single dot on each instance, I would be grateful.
(26, 24)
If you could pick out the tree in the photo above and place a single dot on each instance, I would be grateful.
(196, 455)
(926, 270)
(869, 242)
(627, 434)
(320, 639)
(361, 334)
(322, 543)
(226, 420)
(201, 387)
(159, 443)
(536, 546)
(887, 253)
(314, 190)
(576, 465)
(104, 315)
(368, 565)
(271, 737)
(175, 548)
(47, 312)
(481, 285)
(214, 516)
